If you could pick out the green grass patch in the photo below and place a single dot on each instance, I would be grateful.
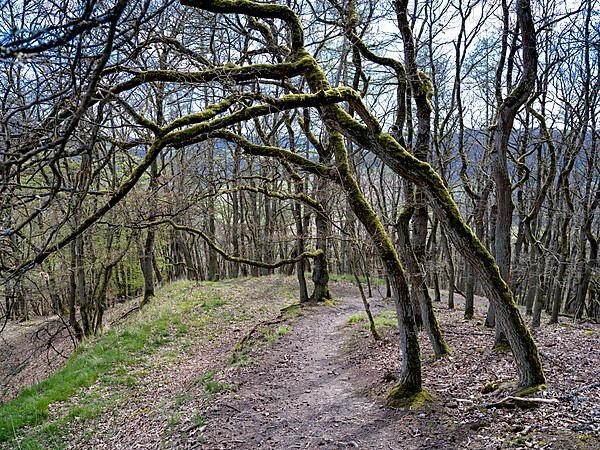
(212, 386)
(357, 318)
(212, 303)
(386, 319)
(383, 319)
(107, 359)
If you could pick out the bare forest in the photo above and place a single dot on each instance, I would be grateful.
(300, 224)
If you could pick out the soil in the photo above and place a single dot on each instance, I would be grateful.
(302, 393)
(323, 386)
(30, 352)
(319, 382)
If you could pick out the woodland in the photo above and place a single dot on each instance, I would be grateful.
(389, 210)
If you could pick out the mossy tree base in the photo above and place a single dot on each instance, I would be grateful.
(399, 396)
(321, 295)
(502, 347)
(491, 387)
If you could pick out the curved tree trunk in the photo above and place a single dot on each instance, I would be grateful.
(410, 373)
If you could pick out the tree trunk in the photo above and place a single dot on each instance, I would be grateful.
(450, 269)
(419, 288)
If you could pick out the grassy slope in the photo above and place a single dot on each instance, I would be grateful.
(179, 313)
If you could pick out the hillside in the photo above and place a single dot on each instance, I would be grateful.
(176, 376)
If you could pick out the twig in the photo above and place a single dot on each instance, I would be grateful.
(521, 402)
(135, 308)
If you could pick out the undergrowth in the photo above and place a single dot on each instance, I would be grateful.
(375, 281)
(383, 319)
(106, 358)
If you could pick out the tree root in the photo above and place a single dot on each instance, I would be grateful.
(521, 402)
(280, 318)
(401, 397)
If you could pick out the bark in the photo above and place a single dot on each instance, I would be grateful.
(419, 289)
(320, 275)
(147, 265)
(410, 372)
(450, 269)
(505, 117)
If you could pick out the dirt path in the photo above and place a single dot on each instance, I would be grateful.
(302, 393)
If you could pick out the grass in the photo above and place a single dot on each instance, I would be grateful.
(239, 358)
(357, 318)
(106, 359)
(375, 281)
(272, 335)
(198, 420)
(211, 386)
(386, 319)
(383, 319)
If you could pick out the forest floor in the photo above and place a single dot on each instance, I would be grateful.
(313, 378)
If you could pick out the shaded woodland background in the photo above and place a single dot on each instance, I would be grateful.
(67, 144)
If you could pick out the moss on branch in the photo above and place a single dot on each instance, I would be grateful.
(262, 10)
(276, 152)
(225, 73)
(290, 101)
(309, 201)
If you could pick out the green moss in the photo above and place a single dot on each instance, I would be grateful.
(524, 392)
(399, 397)
(502, 347)
(491, 387)
(586, 438)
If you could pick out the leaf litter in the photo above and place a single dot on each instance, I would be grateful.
(320, 382)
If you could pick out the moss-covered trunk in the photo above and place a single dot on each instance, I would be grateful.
(410, 373)
(369, 135)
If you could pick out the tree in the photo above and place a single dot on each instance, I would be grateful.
(267, 81)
